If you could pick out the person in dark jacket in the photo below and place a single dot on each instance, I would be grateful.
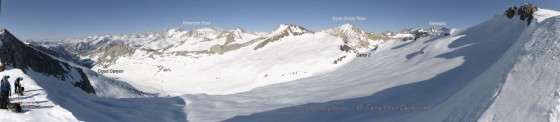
(5, 89)
(17, 85)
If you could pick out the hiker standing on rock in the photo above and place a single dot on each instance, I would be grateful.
(5, 89)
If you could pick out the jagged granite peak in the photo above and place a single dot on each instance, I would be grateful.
(283, 30)
(241, 30)
(238, 33)
(289, 29)
(17, 54)
(352, 35)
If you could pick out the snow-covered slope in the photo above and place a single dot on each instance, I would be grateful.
(499, 70)
(36, 106)
(87, 107)
(387, 67)
(531, 91)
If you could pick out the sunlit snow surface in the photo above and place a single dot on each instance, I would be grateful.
(532, 88)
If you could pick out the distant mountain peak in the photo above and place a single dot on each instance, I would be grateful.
(240, 30)
(174, 31)
(290, 29)
(177, 29)
(350, 28)
(206, 32)
(347, 25)
(238, 33)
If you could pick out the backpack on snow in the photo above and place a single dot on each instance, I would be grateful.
(14, 107)
(20, 91)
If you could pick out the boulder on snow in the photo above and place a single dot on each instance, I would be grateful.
(526, 12)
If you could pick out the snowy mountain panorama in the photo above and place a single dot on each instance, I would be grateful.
(506, 68)
(207, 60)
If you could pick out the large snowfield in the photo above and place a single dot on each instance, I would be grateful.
(483, 73)
(499, 70)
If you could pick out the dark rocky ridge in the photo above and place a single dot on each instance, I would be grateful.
(15, 53)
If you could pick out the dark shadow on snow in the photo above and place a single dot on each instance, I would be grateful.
(25, 96)
(403, 45)
(414, 54)
(89, 107)
(33, 90)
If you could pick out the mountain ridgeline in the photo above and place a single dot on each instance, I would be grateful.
(104, 50)
(17, 54)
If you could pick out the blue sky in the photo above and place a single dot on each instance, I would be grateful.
(61, 19)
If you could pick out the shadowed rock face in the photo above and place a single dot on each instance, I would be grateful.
(15, 53)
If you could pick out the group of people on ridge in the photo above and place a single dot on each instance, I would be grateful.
(5, 91)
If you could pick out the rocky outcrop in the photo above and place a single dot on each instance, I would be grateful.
(221, 49)
(524, 12)
(420, 34)
(16, 54)
(111, 54)
(510, 12)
